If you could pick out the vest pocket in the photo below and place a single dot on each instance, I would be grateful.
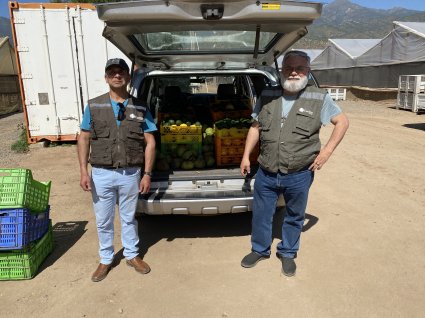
(265, 119)
(135, 137)
(101, 152)
(100, 129)
(304, 124)
(135, 144)
(298, 162)
(267, 149)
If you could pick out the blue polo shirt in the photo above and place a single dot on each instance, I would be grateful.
(329, 110)
(148, 125)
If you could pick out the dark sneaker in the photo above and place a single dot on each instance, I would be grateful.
(252, 259)
(288, 265)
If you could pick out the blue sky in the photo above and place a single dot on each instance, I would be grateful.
(381, 4)
(388, 4)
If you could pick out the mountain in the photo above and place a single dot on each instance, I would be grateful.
(342, 19)
(5, 29)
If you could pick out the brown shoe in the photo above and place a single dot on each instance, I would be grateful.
(101, 272)
(139, 265)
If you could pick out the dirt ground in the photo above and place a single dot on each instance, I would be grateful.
(362, 249)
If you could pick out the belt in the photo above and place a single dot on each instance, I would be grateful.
(107, 167)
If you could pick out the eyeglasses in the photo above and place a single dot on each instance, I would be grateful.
(112, 73)
(121, 112)
(297, 69)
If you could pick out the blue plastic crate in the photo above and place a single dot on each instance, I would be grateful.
(19, 227)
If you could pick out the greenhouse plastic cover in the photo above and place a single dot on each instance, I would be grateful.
(7, 58)
(342, 52)
(363, 63)
(405, 44)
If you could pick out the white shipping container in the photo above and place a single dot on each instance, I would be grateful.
(61, 56)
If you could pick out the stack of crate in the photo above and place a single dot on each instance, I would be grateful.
(229, 140)
(337, 93)
(230, 146)
(25, 228)
(411, 93)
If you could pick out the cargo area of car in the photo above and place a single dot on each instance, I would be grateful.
(202, 125)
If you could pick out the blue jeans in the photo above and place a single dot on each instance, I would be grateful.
(110, 187)
(267, 187)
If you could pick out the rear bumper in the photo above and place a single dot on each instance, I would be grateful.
(159, 204)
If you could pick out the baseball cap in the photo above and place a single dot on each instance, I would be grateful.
(296, 53)
(117, 62)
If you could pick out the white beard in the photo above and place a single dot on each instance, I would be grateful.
(294, 85)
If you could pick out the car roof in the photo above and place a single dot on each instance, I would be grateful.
(191, 35)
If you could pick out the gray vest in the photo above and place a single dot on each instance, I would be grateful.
(289, 145)
(113, 145)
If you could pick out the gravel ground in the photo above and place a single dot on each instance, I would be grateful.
(9, 133)
(362, 247)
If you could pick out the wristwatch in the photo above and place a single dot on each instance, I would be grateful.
(146, 173)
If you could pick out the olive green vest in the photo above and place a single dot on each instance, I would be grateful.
(289, 145)
(113, 145)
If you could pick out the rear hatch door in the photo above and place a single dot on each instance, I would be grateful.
(206, 35)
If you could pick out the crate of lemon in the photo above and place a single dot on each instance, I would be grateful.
(230, 142)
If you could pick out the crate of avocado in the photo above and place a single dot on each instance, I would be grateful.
(181, 145)
(230, 137)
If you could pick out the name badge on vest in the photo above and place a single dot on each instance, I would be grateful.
(136, 118)
(302, 110)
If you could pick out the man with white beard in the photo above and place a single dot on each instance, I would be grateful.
(287, 124)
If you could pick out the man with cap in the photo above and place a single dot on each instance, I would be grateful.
(117, 138)
(287, 125)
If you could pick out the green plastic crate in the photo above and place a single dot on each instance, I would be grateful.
(19, 190)
(24, 263)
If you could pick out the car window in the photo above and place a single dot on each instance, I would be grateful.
(207, 41)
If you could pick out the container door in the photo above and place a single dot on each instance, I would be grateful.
(62, 56)
(93, 50)
(45, 49)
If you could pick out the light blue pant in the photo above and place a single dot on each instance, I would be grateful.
(267, 187)
(110, 187)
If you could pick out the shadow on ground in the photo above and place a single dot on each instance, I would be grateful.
(419, 126)
(153, 229)
(65, 235)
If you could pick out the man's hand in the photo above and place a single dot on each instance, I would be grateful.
(320, 160)
(83, 147)
(341, 124)
(85, 182)
(245, 167)
(251, 141)
(145, 184)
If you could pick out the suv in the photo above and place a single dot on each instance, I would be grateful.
(200, 67)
